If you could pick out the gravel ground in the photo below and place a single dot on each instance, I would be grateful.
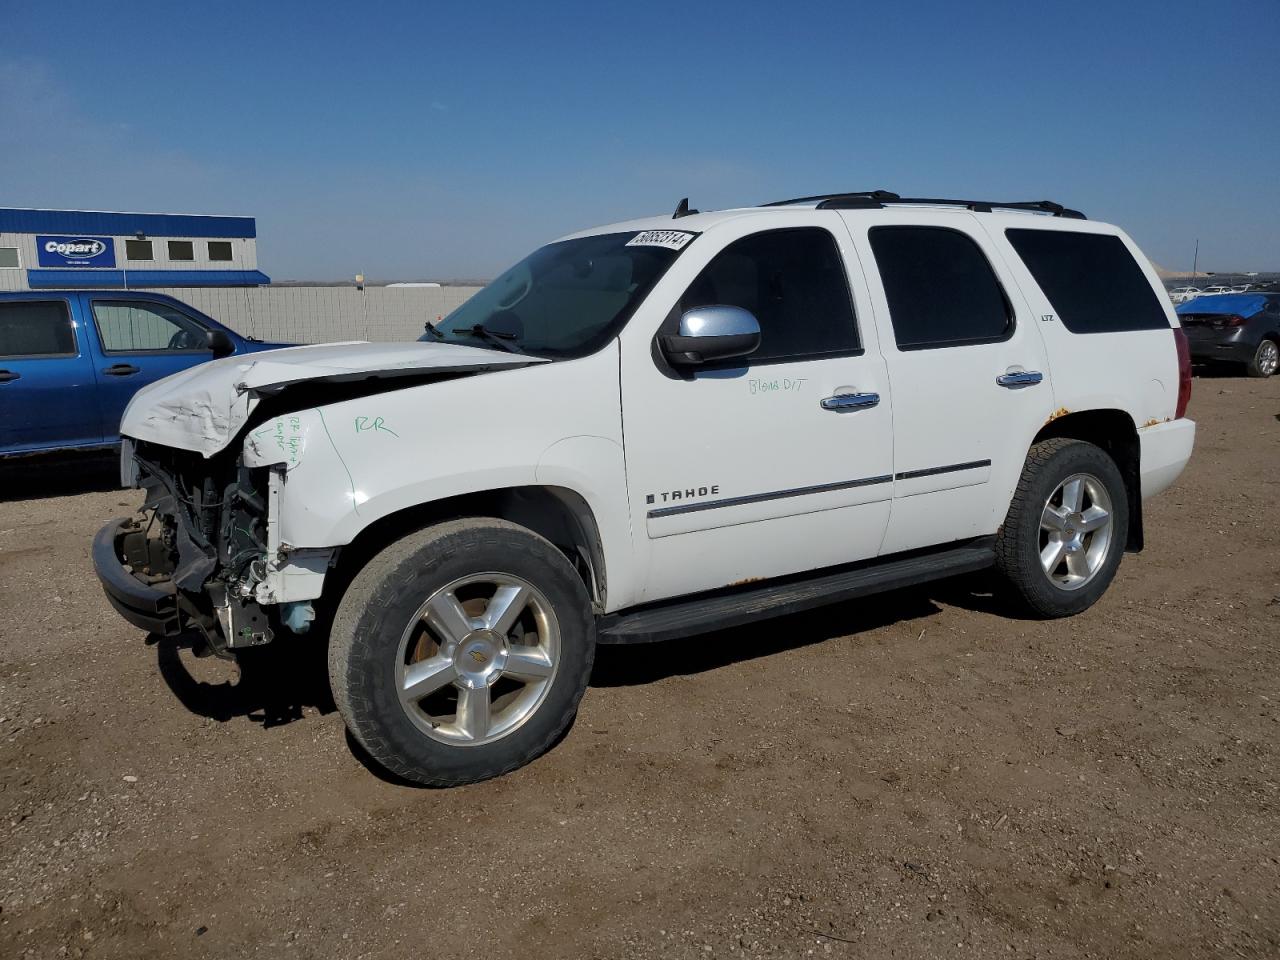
(920, 775)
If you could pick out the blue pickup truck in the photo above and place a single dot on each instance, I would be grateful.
(70, 361)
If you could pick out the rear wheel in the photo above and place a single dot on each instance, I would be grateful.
(1266, 359)
(1061, 543)
(462, 651)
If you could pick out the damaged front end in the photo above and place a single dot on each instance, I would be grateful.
(200, 555)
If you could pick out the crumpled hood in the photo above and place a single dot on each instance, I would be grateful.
(203, 408)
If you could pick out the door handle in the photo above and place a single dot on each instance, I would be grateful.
(120, 370)
(850, 401)
(1021, 378)
(7, 375)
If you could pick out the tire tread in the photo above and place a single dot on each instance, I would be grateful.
(351, 641)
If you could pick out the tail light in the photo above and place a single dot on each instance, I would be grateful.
(1230, 320)
(1184, 372)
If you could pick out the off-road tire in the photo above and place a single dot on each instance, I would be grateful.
(383, 598)
(1048, 464)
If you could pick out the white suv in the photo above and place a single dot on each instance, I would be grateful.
(651, 430)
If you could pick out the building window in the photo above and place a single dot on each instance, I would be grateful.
(9, 258)
(138, 250)
(182, 250)
(220, 250)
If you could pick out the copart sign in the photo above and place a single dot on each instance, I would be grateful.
(76, 251)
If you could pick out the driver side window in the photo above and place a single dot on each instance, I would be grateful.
(794, 282)
(138, 326)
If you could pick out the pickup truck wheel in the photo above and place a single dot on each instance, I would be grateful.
(1061, 544)
(461, 652)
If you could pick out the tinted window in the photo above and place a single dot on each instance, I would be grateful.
(940, 288)
(8, 256)
(36, 328)
(138, 249)
(563, 300)
(182, 250)
(130, 326)
(794, 282)
(219, 249)
(1092, 280)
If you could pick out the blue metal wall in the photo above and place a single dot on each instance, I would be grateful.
(125, 224)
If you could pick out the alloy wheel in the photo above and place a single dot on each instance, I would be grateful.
(1268, 357)
(478, 659)
(1075, 531)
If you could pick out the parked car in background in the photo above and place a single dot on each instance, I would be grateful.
(1215, 290)
(70, 361)
(1180, 294)
(1241, 288)
(1237, 327)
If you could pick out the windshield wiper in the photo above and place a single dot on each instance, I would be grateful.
(432, 329)
(502, 340)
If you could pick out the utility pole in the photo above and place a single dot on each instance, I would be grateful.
(1195, 259)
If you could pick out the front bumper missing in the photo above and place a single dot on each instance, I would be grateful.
(156, 605)
(150, 606)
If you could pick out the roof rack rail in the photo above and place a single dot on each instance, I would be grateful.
(876, 199)
(828, 201)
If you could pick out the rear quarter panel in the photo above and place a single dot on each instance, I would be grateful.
(1133, 371)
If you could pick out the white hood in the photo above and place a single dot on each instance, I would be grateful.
(204, 407)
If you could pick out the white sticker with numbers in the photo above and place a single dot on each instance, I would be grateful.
(671, 239)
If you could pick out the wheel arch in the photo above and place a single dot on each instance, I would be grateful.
(560, 515)
(1115, 432)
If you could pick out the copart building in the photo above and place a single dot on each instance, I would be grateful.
(85, 249)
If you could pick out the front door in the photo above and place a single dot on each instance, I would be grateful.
(968, 368)
(142, 341)
(771, 464)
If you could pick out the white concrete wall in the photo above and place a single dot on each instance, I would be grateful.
(324, 314)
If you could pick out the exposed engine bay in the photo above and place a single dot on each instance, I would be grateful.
(204, 528)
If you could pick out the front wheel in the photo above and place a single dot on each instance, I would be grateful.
(1060, 545)
(461, 652)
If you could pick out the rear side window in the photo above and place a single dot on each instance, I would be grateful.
(794, 282)
(940, 287)
(36, 328)
(1091, 280)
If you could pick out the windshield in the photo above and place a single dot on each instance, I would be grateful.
(566, 299)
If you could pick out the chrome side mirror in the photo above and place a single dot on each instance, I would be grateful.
(711, 333)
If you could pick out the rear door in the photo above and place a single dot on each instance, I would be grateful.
(139, 341)
(47, 389)
(967, 367)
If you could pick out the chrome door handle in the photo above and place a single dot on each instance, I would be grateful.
(850, 401)
(1023, 378)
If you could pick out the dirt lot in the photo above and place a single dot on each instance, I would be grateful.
(924, 775)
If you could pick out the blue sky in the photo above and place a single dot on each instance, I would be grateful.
(417, 140)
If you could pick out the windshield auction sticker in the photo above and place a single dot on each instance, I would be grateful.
(671, 239)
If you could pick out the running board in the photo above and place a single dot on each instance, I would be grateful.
(702, 613)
